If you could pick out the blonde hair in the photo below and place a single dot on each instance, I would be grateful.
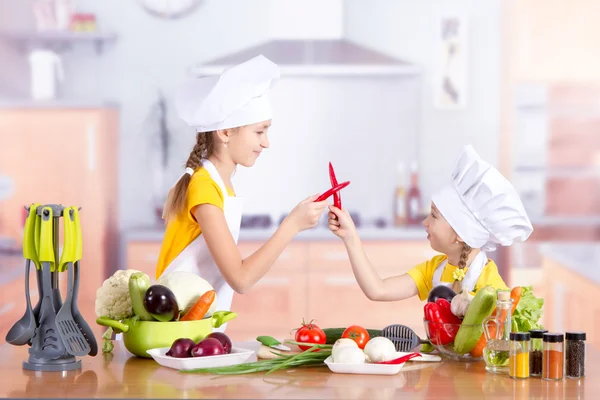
(462, 264)
(203, 148)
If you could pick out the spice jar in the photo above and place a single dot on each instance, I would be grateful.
(575, 354)
(552, 356)
(535, 352)
(518, 363)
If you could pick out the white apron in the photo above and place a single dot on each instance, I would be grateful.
(471, 276)
(196, 257)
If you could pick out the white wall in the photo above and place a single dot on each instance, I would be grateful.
(152, 55)
(306, 19)
(13, 68)
(406, 29)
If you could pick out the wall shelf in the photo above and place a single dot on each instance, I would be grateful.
(57, 40)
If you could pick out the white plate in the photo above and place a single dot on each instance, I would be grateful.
(366, 368)
(237, 356)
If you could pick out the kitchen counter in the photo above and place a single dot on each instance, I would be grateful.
(155, 234)
(121, 375)
(578, 257)
(25, 104)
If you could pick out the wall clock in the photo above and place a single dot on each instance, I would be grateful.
(170, 9)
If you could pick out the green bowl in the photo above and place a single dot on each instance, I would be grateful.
(140, 336)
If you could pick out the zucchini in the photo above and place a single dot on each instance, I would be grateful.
(138, 285)
(334, 334)
(471, 327)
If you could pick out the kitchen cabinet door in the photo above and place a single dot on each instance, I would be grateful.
(277, 303)
(69, 157)
(335, 298)
(143, 256)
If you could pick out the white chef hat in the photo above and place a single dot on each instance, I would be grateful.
(481, 205)
(238, 97)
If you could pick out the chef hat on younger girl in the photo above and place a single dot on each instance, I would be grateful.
(481, 205)
(237, 97)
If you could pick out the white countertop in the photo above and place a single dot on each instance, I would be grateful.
(580, 257)
(320, 233)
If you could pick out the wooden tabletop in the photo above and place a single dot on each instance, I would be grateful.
(121, 375)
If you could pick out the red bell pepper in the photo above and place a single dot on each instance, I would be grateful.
(442, 324)
(337, 196)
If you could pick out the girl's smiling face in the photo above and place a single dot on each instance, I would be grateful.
(440, 234)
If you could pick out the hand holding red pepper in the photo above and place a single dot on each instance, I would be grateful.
(306, 214)
(442, 324)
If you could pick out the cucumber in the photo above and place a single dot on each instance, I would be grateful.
(138, 285)
(334, 334)
(471, 327)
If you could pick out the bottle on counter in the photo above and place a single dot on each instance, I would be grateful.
(400, 197)
(496, 352)
(413, 197)
(553, 356)
(518, 364)
(535, 352)
(575, 354)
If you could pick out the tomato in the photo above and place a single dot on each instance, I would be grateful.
(310, 333)
(357, 333)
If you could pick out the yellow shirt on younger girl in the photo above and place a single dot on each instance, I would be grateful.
(423, 275)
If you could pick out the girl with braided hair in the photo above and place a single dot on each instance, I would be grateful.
(231, 114)
(478, 210)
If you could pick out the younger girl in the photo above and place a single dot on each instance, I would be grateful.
(231, 114)
(478, 210)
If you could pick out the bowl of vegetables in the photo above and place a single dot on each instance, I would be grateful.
(141, 336)
(444, 338)
(150, 316)
(453, 323)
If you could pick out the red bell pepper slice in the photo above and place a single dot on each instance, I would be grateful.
(443, 325)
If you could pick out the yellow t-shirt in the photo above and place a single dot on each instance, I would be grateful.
(423, 275)
(183, 229)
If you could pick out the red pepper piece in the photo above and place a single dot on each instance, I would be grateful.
(331, 191)
(402, 359)
(432, 325)
(337, 196)
(444, 304)
(443, 325)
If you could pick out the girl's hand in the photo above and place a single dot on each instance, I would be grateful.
(340, 223)
(306, 214)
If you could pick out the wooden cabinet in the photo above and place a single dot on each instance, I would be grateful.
(336, 300)
(143, 256)
(570, 302)
(312, 280)
(69, 157)
(277, 303)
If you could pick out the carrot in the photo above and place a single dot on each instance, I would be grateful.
(199, 309)
(515, 295)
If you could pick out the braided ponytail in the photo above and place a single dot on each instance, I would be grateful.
(462, 264)
(176, 199)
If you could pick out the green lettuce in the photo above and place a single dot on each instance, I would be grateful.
(528, 312)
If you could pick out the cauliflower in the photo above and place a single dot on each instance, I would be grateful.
(113, 299)
(187, 287)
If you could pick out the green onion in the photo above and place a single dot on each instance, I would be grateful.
(309, 357)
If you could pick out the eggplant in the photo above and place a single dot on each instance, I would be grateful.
(161, 303)
(440, 292)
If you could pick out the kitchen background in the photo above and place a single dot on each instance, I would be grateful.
(389, 91)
